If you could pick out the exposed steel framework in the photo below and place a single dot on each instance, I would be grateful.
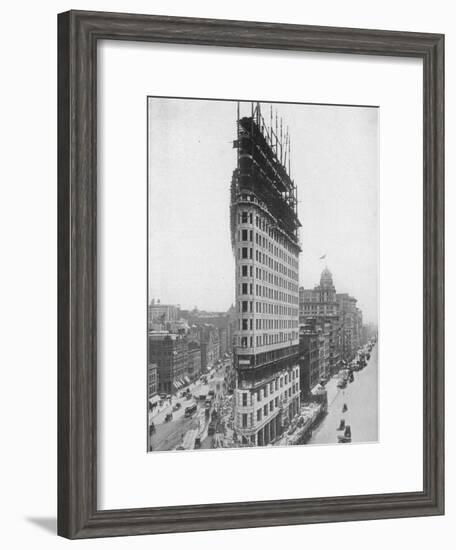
(264, 168)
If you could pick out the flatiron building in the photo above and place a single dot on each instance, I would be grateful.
(264, 231)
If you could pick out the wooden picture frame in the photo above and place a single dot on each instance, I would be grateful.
(78, 33)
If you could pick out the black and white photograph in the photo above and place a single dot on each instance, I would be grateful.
(230, 233)
(262, 317)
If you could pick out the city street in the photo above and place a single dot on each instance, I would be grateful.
(182, 431)
(361, 399)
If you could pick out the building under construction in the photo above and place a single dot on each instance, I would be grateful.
(264, 232)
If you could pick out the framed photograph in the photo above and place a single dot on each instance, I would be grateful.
(251, 288)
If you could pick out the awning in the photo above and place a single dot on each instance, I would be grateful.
(176, 384)
(182, 381)
(187, 379)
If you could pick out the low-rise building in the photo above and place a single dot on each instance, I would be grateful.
(170, 353)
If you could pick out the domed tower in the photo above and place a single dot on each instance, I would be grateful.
(327, 289)
(326, 278)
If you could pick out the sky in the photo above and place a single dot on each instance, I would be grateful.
(334, 163)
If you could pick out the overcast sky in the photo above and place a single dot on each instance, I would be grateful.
(191, 161)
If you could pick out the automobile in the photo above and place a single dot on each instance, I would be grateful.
(189, 411)
(168, 397)
(177, 406)
(211, 393)
(169, 417)
(162, 395)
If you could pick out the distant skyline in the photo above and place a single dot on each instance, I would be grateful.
(334, 162)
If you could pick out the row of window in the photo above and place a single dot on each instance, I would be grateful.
(245, 417)
(275, 324)
(275, 386)
(325, 298)
(263, 225)
(264, 275)
(264, 243)
(269, 408)
(246, 306)
(267, 324)
(265, 339)
(246, 217)
(246, 289)
(277, 338)
(246, 253)
(314, 309)
(275, 309)
(276, 295)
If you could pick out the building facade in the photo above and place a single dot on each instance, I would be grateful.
(349, 324)
(170, 353)
(152, 380)
(210, 347)
(193, 360)
(319, 301)
(309, 358)
(320, 305)
(324, 332)
(264, 230)
(160, 314)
